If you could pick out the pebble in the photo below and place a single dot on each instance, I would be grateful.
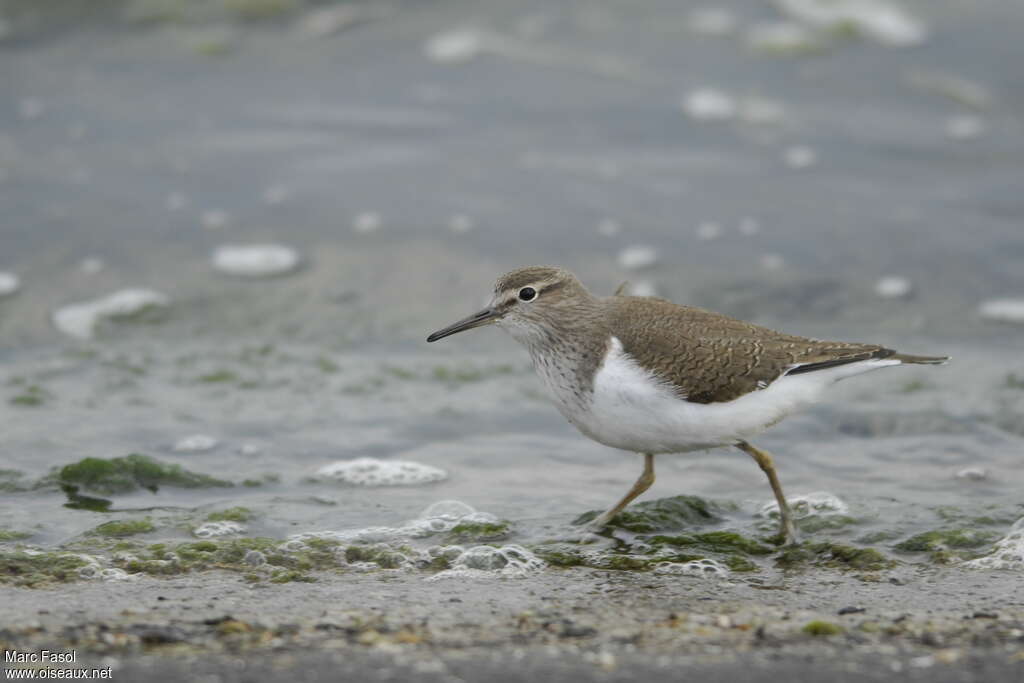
(9, 283)
(1003, 310)
(255, 260)
(637, 257)
(80, 320)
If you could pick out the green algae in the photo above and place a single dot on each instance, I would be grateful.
(822, 628)
(714, 542)
(31, 396)
(122, 528)
(7, 535)
(290, 576)
(816, 523)
(465, 374)
(125, 474)
(34, 570)
(384, 556)
(944, 539)
(218, 377)
(478, 532)
(661, 515)
(834, 556)
(242, 555)
(10, 481)
(235, 514)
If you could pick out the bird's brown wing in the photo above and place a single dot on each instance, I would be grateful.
(711, 357)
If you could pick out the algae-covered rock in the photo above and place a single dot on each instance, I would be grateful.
(822, 628)
(32, 570)
(235, 514)
(6, 535)
(123, 527)
(663, 514)
(126, 474)
(479, 532)
(833, 555)
(941, 539)
(12, 481)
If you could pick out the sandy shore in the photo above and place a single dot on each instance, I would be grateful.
(915, 624)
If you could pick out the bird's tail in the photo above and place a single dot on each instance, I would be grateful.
(920, 360)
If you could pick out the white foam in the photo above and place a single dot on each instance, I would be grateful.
(637, 257)
(800, 156)
(9, 283)
(704, 568)
(1003, 310)
(708, 231)
(965, 127)
(255, 260)
(375, 472)
(211, 529)
(460, 224)
(893, 287)
(80, 320)
(196, 443)
(709, 104)
(214, 219)
(712, 21)
(454, 47)
(484, 561)
(1008, 552)
(814, 504)
(879, 20)
(782, 37)
(367, 222)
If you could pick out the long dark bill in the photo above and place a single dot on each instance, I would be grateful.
(484, 317)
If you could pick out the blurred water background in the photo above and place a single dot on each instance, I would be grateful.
(850, 173)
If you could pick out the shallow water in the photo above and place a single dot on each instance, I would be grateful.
(408, 184)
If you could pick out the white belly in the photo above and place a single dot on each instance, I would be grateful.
(633, 410)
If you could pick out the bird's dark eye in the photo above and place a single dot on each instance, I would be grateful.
(527, 294)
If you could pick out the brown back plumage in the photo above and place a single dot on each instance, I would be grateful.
(712, 357)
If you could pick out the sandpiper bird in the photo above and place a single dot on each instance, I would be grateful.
(645, 375)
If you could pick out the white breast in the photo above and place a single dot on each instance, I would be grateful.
(632, 409)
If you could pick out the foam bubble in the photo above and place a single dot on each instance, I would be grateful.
(814, 504)
(1003, 310)
(965, 127)
(214, 219)
(877, 19)
(375, 472)
(196, 443)
(454, 47)
(893, 287)
(709, 104)
(367, 222)
(484, 561)
(705, 568)
(708, 231)
(255, 260)
(800, 156)
(712, 21)
(9, 283)
(211, 529)
(1008, 552)
(637, 257)
(80, 320)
